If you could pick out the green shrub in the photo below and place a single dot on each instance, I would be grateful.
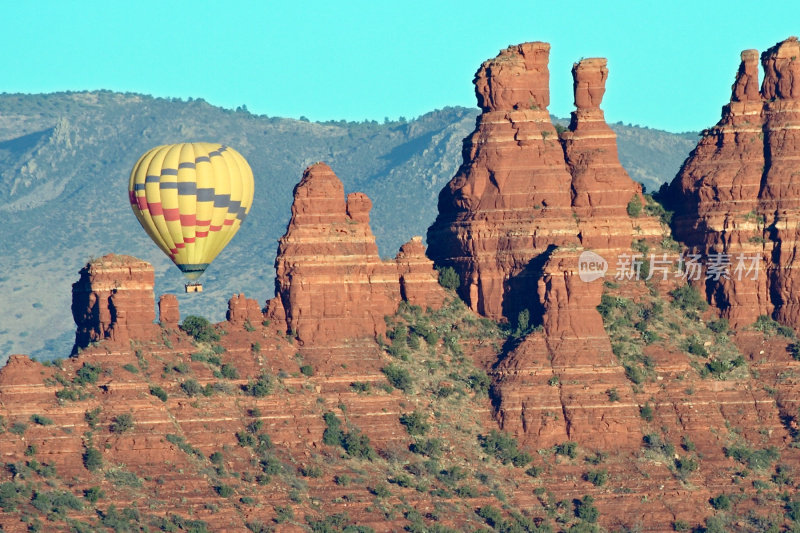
(504, 448)
(688, 299)
(428, 447)
(307, 370)
(56, 502)
(719, 326)
(613, 395)
(685, 466)
(130, 368)
(122, 423)
(223, 490)
(88, 373)
(793, 509)
(635, 206)
(199, 328)
(794, 350)
(191, 387)
(18, 428)
(68, 394)
(41, 420)
(634, 373)
(754, 459)
(597, 478)
(229, 371)
(92, 459)
(721, 502)
(283, 514)
(92, 494)
(357, 445)
(380, 491)
(361, 386)
(569, 449)
(680, 525)
(479, 382)
(415, 423)
(449, 278)
(585, 510)
(260, 387)
(92, 417)
(333, 434)
(695, 347)
(398, 377)
(312, 471)
(491, 515)
(158, 392)
(646, 412)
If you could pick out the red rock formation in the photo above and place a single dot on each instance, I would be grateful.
(419, 283)
(510, 200)
(331, 284)
(113, 300)
(169, 314)
(736, 194)
(243, 310)
(553, 386)
(517, 196)
(601, 189)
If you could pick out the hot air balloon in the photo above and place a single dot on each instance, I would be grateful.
(191, 199)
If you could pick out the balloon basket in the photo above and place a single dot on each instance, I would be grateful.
(194, 287)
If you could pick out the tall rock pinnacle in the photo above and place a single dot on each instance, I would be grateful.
(737, 195)
(331, 284)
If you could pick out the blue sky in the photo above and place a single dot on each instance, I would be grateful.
(671, 64)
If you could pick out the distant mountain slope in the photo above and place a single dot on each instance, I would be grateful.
(64, 165)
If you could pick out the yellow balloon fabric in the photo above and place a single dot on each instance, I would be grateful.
(191, 199)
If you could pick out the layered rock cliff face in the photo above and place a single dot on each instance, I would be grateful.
(331, 284)
(737, 196)
(553, 386)
(522, 191)
(113, 300)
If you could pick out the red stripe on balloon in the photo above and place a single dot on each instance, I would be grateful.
(229, 222)
(155, 208)
(172, 214)
(180, 245)
(141, 201)
(203, 222)
(215, 228)
(188, 240)
(188, 220)
(202, 234)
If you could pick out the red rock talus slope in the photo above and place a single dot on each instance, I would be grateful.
(521, 191)
(331, 283)
(113, 299)
(737, 196)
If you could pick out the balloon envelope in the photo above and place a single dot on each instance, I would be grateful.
(191, 199)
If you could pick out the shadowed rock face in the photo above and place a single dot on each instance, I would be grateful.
(522, 190)
(738, 193)
(331, 284)
(113, 300)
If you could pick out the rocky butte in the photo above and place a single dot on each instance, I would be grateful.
(366, 397)
(737, 196)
